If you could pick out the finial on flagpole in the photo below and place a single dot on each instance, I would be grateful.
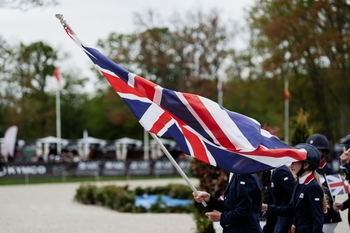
(61, 18)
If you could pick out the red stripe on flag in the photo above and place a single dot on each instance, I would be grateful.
(210, 122)
(337, 184)
(145, 87)
(163, 120)
(119, 85)
(196, 144)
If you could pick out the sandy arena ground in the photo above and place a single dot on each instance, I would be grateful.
(50, 208)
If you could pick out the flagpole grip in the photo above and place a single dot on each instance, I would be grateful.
(177, 167)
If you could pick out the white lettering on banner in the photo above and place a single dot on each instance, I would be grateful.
(139, 165)
(88, 165)
(24, 170)
(163, 165)
(114, 165)
(184, 165)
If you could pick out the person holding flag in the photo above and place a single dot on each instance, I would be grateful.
(332, 217)
(308, 203)
(239, 210)
(345, 166)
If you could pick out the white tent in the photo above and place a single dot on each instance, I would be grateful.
(92, 140)
(51, 139)
(126, 140)
(121, 146)
(42, 145)
(83, 145)
(156, 151)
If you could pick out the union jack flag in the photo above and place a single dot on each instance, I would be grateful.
(202, 128)
(337, 184)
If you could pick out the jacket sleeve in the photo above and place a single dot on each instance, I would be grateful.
(345, 205)
(346, 169)
(215, 204)
(286, 211)
(286, 180)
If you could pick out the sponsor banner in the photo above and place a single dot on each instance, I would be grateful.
(91, 168)
(114, 168)
(140, 168)
(163, 168)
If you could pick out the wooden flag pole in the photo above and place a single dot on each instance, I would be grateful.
(178, 168)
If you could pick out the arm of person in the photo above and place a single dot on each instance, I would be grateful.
(341, 206)
(286, 211)
(286, 180)
(211, 201)
(345, 165)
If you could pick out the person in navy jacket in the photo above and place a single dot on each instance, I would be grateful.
(308, 202)
(239, 210)
(282, 186)
(345, 166)
(332, 217)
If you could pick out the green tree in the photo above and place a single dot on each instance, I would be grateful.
(187, 59)
(301, 130)
(250, 90)
(306, 42)
(35, 66)
(73, 99)
(182, 59)
(7, 96)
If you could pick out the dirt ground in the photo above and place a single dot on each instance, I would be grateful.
(50, 208)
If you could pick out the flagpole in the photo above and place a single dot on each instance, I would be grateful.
(145, 145)
(329, 189)
(178, 168)
(58, 120)
(286, 110)
(219, 91)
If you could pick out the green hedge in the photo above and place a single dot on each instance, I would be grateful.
(122, 199)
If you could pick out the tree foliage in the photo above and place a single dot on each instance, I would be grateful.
(301, 128)
(181, 59)
(26, 4)
(306, 42)
(186, 58)
(28, 100)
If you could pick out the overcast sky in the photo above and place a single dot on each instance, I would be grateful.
(93, 20)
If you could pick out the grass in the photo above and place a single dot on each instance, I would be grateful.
(29, 180)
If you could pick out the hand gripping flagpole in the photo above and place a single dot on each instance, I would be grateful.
(178, 168)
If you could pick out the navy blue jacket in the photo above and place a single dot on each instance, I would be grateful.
(331, 216)
(346, 204)
(306, 206)
(346, 170)
(241, 206)
(282, 186)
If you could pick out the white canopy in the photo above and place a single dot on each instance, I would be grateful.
(126, 140)
(51, 139)
(92, 140)
(171, 143)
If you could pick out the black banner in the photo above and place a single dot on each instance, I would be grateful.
(91, 168)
